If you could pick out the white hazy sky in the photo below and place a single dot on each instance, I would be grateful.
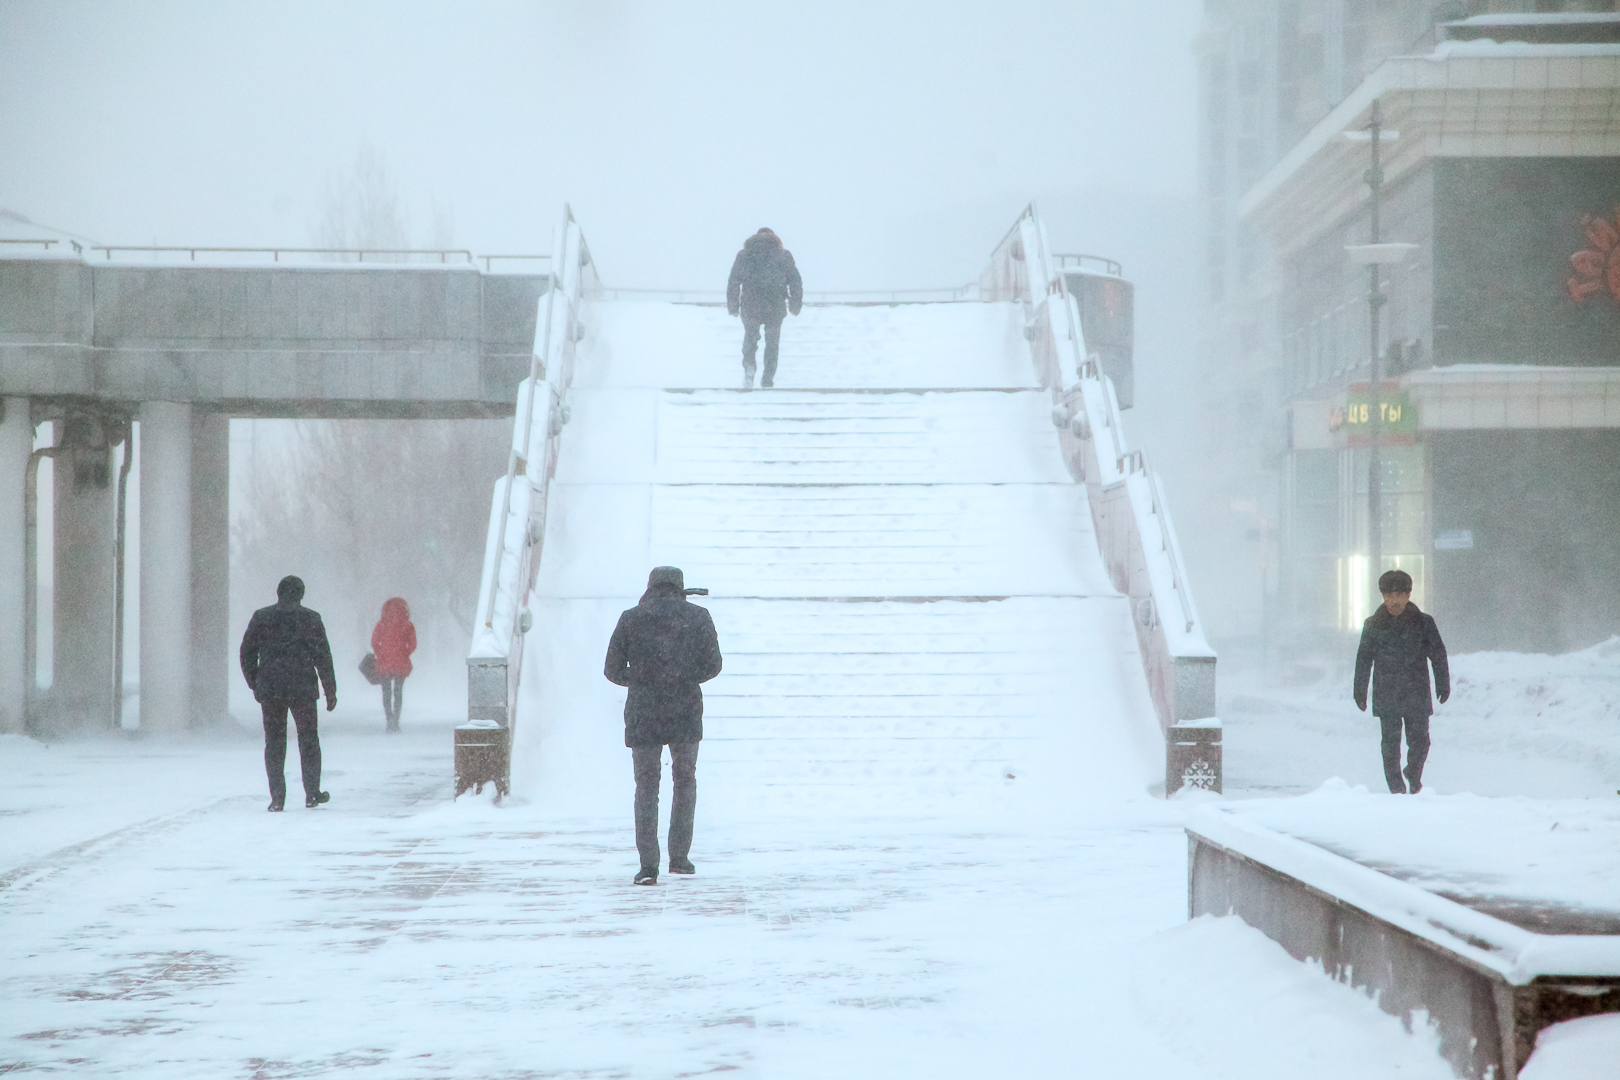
(889, 142)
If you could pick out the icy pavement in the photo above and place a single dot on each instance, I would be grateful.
(395, 934)
(925, 845)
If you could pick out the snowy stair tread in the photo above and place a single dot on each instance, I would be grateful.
(816, 511)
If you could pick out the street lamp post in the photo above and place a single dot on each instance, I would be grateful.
(1374, 255)
(1375, 304)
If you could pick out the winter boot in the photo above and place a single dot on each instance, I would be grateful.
(647, 876)
(315, 800)
(681, 866)
(274, 808)
(748, 377)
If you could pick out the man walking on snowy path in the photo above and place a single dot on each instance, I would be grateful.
(764, 287)
(1398, 643)
(285, 659)
(662, 649)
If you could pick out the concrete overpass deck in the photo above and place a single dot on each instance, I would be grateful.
(332, 339)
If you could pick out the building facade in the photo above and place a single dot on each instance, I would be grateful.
(1498, 328)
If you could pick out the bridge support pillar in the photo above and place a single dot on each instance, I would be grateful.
(84, 607)
(210, 566)
(166, 597)
(16, 443)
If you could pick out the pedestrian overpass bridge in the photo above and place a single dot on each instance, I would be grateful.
(932, 558)
(181, 340)
(927, 548)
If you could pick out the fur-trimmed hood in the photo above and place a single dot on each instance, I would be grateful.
(762, 241)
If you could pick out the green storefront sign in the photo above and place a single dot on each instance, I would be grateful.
(1396, 413)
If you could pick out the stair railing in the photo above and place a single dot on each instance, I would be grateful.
(520, 497)
(1135, 534)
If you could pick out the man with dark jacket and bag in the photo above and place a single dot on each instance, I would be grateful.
(1398, 643)
(285, 659)
(764, 287)
(662, 649)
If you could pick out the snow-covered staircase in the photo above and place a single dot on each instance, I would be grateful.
(904, 577)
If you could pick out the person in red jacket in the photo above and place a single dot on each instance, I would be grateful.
(393, 640)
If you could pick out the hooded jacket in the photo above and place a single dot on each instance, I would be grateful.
(394, 639)
(1395, 653)
(284, 652)
(765, 283)
(662, 649)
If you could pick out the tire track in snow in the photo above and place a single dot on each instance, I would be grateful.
(44, 867)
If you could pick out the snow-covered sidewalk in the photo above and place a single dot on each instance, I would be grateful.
(1517, 724)
(396, 934)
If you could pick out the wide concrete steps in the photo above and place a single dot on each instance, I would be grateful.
(907, 345)
(893, 437)
(959, 540)
(906, 581)
(875, 494)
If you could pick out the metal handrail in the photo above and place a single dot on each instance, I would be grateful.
(1044, 280)
(877, 296)
(487, 258)
(43, 243)
(277, 252)
(675, 296)
(540, 362)
(1114, 267)
(958, 292)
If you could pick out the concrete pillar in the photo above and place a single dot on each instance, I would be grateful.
(210, 566)
(84, 604)
(16, 443)
(165, 465)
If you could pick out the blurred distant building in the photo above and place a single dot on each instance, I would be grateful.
(1500, 338)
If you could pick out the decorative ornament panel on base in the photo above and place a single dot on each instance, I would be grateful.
(1200, 774)
(1193, 756)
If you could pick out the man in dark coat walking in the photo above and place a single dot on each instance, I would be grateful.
(764, 287)
(662, 649)
(285, 658)
(1398, 643)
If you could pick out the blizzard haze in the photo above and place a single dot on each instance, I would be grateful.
(889, 144)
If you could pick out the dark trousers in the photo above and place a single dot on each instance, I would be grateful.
(649, 765)
(275, 746)
(752, 324)
(1417, 751)
(393, 688)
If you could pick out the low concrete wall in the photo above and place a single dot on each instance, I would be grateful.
(344, 340)
(1487, 1025)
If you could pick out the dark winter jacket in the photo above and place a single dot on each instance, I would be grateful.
(765, 282)
(284, 652)
(1395, 653)
(662, 649)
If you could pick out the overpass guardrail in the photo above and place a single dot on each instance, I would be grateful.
(1132, 518)
(518, 503)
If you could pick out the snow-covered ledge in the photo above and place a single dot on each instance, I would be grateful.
(1465, 397)
(1483, 984)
